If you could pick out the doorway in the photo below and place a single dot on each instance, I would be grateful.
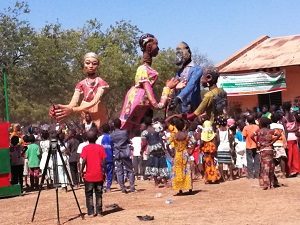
(274, 98)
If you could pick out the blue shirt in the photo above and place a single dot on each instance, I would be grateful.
(239, 136)
(190, 94)
(105, 141)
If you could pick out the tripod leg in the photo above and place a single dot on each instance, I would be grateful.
(70, 181)
(42, 182)
(57, 206)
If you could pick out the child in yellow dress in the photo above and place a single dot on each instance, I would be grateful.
(182, 176)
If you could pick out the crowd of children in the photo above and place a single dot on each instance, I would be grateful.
(172, 152)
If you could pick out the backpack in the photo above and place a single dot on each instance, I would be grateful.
(220, 103)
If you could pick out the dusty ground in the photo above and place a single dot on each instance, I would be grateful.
(233, 202)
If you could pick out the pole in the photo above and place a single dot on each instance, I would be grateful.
(5, 93)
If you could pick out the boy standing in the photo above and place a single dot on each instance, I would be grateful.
(93, 156)
(251, 148)
(33, 156)
(106, 142)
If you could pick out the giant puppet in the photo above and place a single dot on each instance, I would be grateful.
(140, 99)
(91, 90)
(214, 102)
(186, 97)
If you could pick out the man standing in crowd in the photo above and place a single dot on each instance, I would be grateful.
(72, 146)
(122, 153)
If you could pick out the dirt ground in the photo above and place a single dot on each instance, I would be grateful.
(233, 202)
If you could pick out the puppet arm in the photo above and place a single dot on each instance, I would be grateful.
(90, 104)
(150, 94)
(200, 110)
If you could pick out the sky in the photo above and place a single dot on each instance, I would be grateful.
(215, 28)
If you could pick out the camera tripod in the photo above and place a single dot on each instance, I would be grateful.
(54, 149)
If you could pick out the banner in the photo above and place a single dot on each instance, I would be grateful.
(252, 83)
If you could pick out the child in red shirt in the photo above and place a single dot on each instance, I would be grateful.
(93, 156)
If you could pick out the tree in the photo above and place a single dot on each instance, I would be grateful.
(200, 59)
(45, 66)
(15, 44)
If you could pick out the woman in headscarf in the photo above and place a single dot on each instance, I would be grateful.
(292, 128)
(140, 98)
(91, 89)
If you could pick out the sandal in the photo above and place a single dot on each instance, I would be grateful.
(145, 218)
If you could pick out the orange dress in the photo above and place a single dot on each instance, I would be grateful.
(211, 172)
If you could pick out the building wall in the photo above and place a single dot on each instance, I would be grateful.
(293, 90)
(245, 102)
(292, 82)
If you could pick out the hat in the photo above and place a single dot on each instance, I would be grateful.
(207, 133)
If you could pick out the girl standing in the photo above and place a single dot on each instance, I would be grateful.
(265, 139)
(156, 164)
(208, 147)
(293, 154)
(182, 175)
(17, 161)
(225, 147)
(45, 147)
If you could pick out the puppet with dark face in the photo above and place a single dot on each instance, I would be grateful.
(183, 54)
(187, 95)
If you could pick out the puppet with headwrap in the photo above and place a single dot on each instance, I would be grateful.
(140, 98)
(90, 90)
(187, 95)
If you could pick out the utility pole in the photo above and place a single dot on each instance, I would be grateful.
(5, 93)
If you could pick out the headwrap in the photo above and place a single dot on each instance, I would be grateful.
(230, 122)
(144, 39)
(221, 121)
(91, 55)
(207, 133)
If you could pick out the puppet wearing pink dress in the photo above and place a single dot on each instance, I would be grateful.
(140, 98)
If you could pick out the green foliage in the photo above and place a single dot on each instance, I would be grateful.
(44, 66)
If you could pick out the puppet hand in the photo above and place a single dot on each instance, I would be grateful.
(61, 112)
(51, 111)
(160, 105)
(172, 83)
(181, 84)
